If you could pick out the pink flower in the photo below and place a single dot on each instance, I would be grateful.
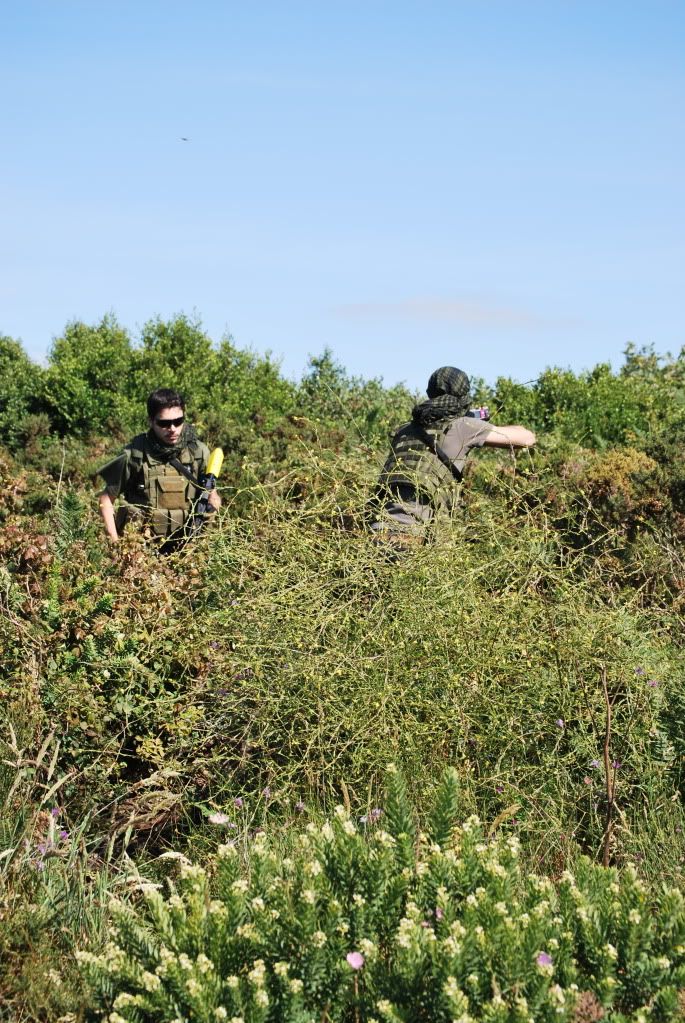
(355, 959)
(544, 959)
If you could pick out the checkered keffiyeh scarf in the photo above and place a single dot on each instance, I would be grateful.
(449, 396)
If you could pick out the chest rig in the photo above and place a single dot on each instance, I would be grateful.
(156, 487)
(416, 459)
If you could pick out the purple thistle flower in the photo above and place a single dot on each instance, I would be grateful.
(652, 682)
(355, 959)
(55, 812)
(594, 763)
(559, 722)
(616, 764)
(499, 788)
(544, 959)
(266, 792)
(64, 835)
(299, 806)
(640, 671)
(439, 913)
(238, 802)
(375, 814)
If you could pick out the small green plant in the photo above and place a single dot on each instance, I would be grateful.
(366, 920)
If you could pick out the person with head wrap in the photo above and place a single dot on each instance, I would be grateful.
(421, 476)
(153, 477)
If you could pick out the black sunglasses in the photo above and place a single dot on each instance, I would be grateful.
(166, 424)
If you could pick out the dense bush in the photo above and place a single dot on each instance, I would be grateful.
(87, 384)
(20, 385)
(372, 922)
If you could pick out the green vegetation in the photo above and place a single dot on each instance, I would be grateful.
(234, 694)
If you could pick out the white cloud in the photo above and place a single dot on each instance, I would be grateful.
(463, 312)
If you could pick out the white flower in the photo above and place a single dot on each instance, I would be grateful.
(327, 832)
(261, 998)
(358, 900)
(319, 939)
(204, 964)
(634, 917)
(611, 951)
(295, 985)
(124, 999)
(663, 963)
(309, 896)
(258, 904)
(220, 1012)
(150, 982)
(193, 987)
(233, 982)
(281, 968)
(257, 973)
(314, 868)
(367, 947)
(349, 828)
(239, 886)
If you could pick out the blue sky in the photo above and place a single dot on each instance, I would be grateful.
(494, 184)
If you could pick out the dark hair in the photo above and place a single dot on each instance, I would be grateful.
(164, 397)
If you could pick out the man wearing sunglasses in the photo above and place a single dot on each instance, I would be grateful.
(155, 476)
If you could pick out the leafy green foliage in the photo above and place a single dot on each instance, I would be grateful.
(20, 382)
(287, 657)
(86, 384)
(345, 927)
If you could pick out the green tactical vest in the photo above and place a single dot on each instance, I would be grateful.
(411, 461)
(165, 496)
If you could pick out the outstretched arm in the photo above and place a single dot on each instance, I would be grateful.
(510, 437)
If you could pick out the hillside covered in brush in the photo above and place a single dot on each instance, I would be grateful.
(527, 664)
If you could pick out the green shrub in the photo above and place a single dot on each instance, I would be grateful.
(375, 923)
(86, 388)
(20, 384)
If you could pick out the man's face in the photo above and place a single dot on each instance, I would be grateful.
(167, 424)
